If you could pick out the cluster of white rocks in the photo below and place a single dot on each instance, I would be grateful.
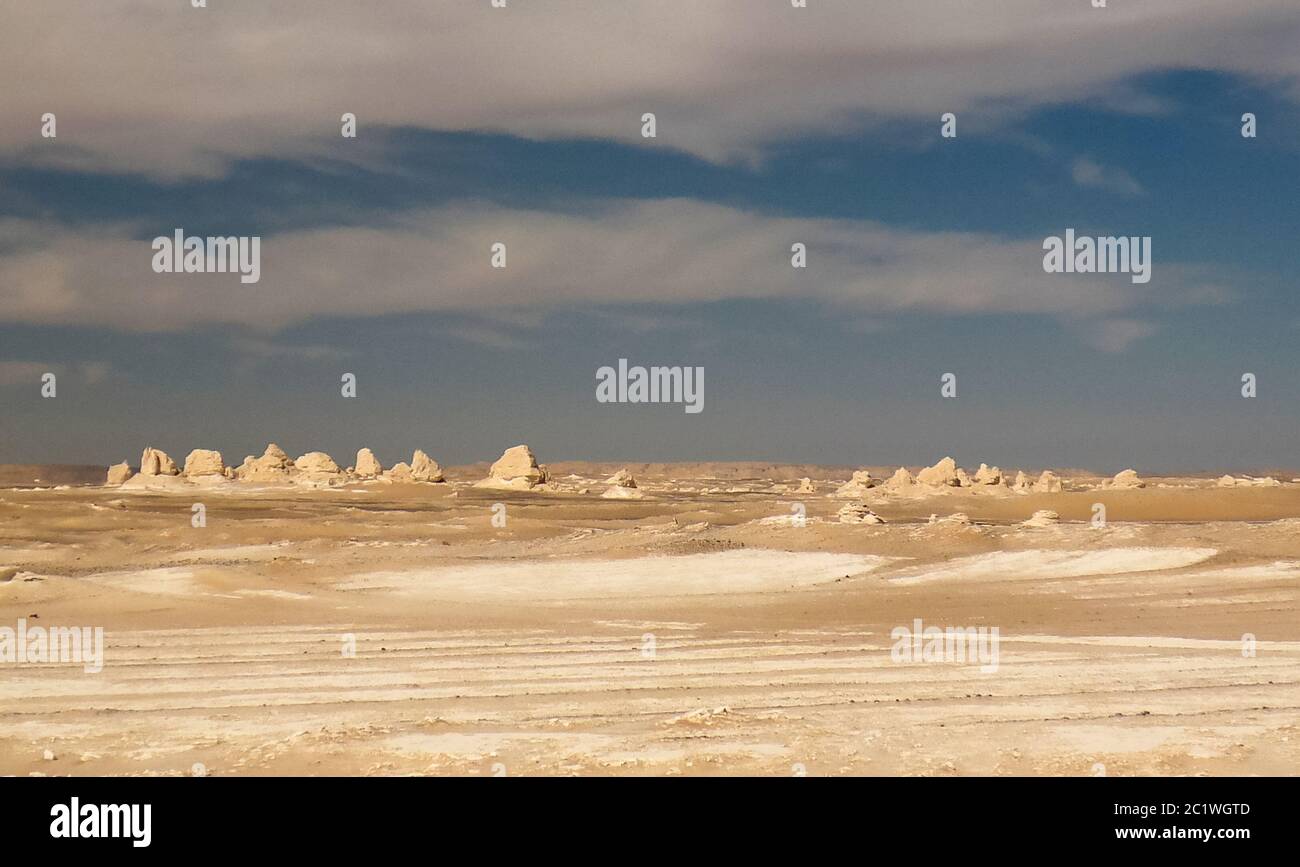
(1248, 482)
(946, 474)
(516, 470)
(204, 466)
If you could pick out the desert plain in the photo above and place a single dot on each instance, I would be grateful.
(648, 619)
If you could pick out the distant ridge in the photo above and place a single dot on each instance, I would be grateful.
(24, 475)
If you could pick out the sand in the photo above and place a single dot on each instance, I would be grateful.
(393, 629)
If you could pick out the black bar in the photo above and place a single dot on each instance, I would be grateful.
(333, 816)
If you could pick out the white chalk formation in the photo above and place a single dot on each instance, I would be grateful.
(622, 486)
(858, 485)
(946, 476)
(1042, 518)
(1126, 479)
(515, 470)
(314, 469)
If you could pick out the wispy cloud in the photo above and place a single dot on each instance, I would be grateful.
(1115, 335)
(614, 253)
(1088, 173)
(739, 78)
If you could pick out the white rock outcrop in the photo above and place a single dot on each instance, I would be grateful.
(317, 469)
(204, 462)
(155, 462)
(856, 486)
(941, 475)
(119, 473)
(273, 466)
(622, 478)
(368, 466)
(901, 480)
(1048, 483)
(425, 468)
(516, 469)
(1127, 479)
(622, 486)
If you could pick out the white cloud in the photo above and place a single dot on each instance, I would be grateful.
(158, 87)
(1087, 173)
(1115, 335)
(620, 252)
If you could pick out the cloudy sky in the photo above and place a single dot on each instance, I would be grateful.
(775, 125)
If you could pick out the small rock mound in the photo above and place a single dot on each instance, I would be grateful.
(705, 716)
(987, 475)
(316, 462)
(856, 486)
(1127, 479)
(806, 486)
(1042, 518)
(622, 486)
(1048, 483)
(900, 480)
(618, 492)
(858, 513)
(622, 478)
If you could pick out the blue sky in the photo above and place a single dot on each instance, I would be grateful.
(925, 256)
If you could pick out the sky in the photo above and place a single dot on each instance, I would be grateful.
(774, 125)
